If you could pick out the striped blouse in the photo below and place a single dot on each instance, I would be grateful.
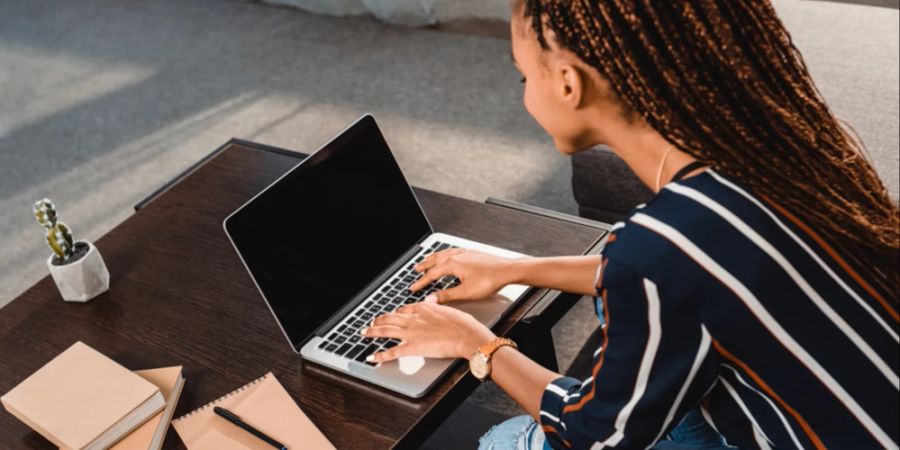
(715, 298)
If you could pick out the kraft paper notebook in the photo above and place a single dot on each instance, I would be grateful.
(152, 433)
(83, 400)
(263, 404)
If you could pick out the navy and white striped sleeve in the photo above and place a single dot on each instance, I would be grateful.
(653, 364)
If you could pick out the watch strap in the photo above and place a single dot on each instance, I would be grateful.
(488, 349)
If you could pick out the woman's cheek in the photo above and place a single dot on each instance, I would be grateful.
(537, 107)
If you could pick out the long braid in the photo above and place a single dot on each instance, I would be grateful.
(723, 81)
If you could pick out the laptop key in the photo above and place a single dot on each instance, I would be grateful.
(391, 344)
(355, 338)
(359, 324)
(340, 340)
(324, 344)
(355, 351)
(368, 351)
(343, 349)
(331, 348)
(367, 316)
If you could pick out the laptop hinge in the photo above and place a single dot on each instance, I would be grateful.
(358, 298)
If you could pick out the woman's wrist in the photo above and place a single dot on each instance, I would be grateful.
(574, 274)
(519, 269)
(475, 340)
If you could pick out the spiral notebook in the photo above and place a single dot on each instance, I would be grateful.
(265, 405)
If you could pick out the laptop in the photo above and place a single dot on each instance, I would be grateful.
(332, 244)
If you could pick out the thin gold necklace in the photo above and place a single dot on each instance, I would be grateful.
(662, 165)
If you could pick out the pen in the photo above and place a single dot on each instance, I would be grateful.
(231, 417)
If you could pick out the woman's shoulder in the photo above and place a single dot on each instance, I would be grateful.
(704, 220)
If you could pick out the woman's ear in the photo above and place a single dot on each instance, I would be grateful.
(571, 85)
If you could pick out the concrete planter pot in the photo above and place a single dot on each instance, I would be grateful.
(82, 279)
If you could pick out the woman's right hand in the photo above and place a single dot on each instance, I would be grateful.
(481, 275)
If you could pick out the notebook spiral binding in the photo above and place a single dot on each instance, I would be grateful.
(214, 402)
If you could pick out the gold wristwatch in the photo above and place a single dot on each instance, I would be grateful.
(480, 363)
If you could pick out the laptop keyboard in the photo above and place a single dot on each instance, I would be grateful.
(345, 340)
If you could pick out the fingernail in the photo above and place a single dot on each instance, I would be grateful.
(431, 298)
(370, 358)
(363, 331)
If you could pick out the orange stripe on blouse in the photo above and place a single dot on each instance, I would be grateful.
(549, 429)
(834, 255)
(768, 390)
(590, 395)
(603, 263)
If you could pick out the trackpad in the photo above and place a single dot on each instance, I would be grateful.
(411, 365)
(486, 311)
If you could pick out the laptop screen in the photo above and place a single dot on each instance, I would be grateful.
(320, 234)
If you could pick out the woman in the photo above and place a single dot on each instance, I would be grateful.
(757, 291)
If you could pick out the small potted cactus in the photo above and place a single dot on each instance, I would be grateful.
(76, 266)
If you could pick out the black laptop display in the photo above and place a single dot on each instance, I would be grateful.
(319, 235)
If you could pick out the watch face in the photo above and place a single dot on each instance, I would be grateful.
(479, 366)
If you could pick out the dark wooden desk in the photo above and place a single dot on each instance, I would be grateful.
(180, 295)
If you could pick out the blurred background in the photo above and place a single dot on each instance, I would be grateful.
(104, 101)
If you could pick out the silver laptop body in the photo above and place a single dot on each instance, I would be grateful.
(318, 323)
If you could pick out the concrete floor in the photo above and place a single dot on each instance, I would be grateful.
(895, 4)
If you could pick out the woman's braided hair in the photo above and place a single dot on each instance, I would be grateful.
(722, 81)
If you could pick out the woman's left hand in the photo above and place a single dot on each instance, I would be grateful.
(429, 330)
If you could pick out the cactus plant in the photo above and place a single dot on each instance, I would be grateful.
(59, 237)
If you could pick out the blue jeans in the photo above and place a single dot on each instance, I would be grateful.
(522, 433)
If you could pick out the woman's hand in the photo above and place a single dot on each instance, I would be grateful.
(480, 275)
(429, 330)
